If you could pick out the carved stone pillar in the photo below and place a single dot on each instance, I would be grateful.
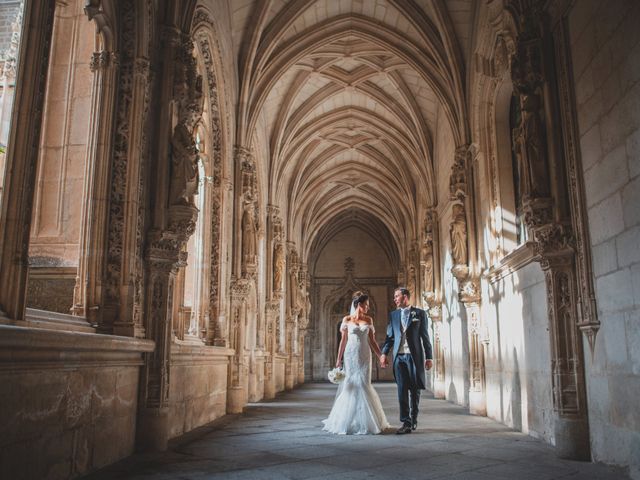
(554, 247)
(237, 385)
(173, 220)
(470, 297)
(164, 257)
(123, 288)
(460, 186)
(22, 158)
(547, 172)
(272, 314)
(439, 390)
(94, 219)
(290, 372)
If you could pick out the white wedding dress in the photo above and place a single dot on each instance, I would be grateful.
(357, 409)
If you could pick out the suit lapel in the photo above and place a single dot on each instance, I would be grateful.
(398, 319)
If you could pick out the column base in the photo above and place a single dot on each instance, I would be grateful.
(438, 390)
(236, 399)
(152, 432)
(477, 403)
(269, 388)
(253, 387)
(572, 439)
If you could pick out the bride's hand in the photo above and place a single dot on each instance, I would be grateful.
(339, 364)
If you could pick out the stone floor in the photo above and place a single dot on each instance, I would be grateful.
(282, 439)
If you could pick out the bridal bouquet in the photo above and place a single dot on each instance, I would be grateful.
(336, 375)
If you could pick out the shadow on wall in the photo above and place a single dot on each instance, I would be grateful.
(515, 403)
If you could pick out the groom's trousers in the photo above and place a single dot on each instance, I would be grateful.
(408, 390)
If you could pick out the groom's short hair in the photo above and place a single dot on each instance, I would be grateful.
(404, 291)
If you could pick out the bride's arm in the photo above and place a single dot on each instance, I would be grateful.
(372, 341)
(343, 344)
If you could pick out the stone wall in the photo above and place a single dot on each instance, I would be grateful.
(68, 403)
(199, 391)
(517, 357)
(605, 47)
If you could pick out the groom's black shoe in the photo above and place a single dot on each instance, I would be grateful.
(414, 424)
(406, 428)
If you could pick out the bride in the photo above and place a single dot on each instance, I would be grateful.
(357, 409)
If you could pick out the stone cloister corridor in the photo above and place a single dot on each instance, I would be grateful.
(282, 439)
(192, 190)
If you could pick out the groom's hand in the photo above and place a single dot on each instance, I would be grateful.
(383, 361)
(428, 364)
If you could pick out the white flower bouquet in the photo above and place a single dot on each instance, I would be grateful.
(336, 375)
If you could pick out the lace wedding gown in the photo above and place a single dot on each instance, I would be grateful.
(357, 409)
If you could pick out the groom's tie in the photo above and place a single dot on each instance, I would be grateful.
(405, 318)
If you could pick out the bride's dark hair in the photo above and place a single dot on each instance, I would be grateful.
(358, 298)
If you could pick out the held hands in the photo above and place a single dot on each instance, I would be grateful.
(383, 361)
(428, 364)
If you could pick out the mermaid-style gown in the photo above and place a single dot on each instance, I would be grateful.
(357, 409)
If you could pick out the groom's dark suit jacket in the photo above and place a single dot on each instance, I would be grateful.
(417, 339)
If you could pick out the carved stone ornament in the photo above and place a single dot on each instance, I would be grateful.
(435, 312)
(469, 290)
(458, 179)
(102, 60)
(240, 289)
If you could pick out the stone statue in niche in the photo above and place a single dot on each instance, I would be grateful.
(278, 267)
(458, 232)
(184, 167)
(530, 149)
(249, 250)
(411, 281)
(427, 266)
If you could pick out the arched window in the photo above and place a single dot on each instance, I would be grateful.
(57, 218)
(191, 284)
(10, 32)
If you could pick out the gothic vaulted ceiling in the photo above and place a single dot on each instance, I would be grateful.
(347, 95)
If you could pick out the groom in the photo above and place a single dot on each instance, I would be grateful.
(407, 333)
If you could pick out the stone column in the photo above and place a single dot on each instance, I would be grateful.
(122, 289)
(554, 247)
(290, 372)
(164, 257)
(22, 158)
(237, 386)
(439, 391)
(87, 296)
(460, 187)
(272, 314)
(469, 295)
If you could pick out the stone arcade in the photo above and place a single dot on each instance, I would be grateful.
(192, 189)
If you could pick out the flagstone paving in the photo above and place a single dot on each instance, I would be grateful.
(283, 440)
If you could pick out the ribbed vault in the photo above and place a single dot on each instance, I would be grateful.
(350, 94)
(358, 218)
